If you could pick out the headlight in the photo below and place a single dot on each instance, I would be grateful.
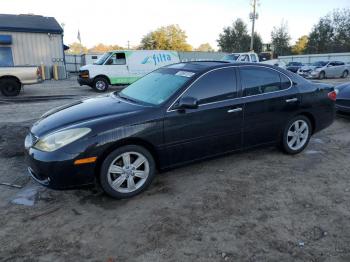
(59, 139)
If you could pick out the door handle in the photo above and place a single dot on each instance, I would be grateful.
(292, 100)
(238, 109)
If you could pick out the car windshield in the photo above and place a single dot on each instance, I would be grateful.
(231, 57)
(319, 63)
(294, 64)
(156, 87)
(102, 59)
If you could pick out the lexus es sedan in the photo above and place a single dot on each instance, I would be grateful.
(175, 115)
(342, 103)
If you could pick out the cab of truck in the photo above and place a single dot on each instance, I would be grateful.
(249, 57)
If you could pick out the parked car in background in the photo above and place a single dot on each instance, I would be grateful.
(123, 67)
(325, 69)
(294, 66)
(342, 103)
(13, 78)
(172, 116)
(249, 57)
(275, 62)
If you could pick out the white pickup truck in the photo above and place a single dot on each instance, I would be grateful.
(249, 57)
(13, 78)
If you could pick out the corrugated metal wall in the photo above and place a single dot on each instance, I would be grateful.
(344, 57)
(36, 48)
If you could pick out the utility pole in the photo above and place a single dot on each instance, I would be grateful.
(128, 44)
(253, 16)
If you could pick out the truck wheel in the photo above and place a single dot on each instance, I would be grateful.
(100, 84)
(10, 87)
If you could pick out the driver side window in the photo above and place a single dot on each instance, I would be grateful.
(117, 59)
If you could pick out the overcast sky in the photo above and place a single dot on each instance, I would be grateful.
(116, 21)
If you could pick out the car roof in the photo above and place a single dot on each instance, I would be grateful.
(203, 66)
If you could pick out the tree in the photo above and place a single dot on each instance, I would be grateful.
(206, 47)
(300, 45)
(101, 48)
(280, 40)
(235, 38)
(76, 49)
(170, 37)
(331, 33)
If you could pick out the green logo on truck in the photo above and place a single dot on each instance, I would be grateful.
(156, 59)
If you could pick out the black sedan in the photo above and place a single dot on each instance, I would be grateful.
(294, 66)
(173, 116)
(343, 98)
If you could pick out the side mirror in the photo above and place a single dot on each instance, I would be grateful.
(187, 102)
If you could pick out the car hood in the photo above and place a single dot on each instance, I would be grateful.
(83, 111)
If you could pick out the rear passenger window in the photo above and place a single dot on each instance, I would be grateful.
(215, 86)
(258, 81)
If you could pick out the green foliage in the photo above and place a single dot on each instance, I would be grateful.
(300, 45)
(280, 40)
(206, 47)
(235, 38)
(170, 37)
(331, 34)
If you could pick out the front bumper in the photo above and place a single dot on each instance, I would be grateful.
(309, 75)
(57, 170)
(85, 81)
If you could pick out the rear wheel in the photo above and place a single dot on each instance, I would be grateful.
(296, 135)
(10, 87)
(127, 171)
(322, 75)
(345, 74)
(100, 84)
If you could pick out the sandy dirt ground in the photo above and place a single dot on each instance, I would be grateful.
(260, 205)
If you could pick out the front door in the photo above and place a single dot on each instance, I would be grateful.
(269, 101)
(213, 128)
(117, 69)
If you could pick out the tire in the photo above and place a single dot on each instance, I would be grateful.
(116, 175)
(345, 74)
(322, 75)
(10, 87)
(301, 135)
(100, 84)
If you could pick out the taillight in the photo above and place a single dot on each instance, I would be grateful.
(38, 72)
(333, 95)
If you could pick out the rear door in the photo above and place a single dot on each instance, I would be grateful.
(214, 127)
(269, 101)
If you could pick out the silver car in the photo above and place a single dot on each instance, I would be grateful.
(323, 69)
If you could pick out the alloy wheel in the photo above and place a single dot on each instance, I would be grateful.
(298, 134)
(128, 172)
(100, 85)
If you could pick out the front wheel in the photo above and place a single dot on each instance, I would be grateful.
(296, 135)
(127, 171)
(322, 75)
(345, 74)
(100, 84)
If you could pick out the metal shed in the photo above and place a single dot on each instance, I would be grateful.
(30, 40)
